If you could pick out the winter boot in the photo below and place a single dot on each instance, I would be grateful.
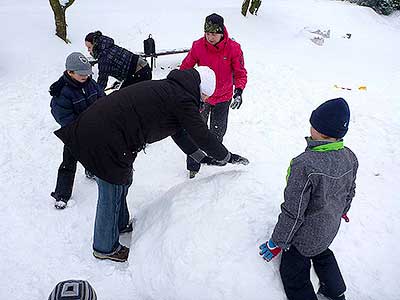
(192, 174)
(120, 255)
(322, 294)
(61, 202)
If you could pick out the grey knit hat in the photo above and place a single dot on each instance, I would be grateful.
(78, 63)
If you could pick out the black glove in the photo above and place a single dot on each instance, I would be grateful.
(212, 161)
(237, 98)
(238, 160)
(115, 86)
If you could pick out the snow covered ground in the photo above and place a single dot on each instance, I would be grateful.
(198, 239)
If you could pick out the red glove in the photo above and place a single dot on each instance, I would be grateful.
(345, 218)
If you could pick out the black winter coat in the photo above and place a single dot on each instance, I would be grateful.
(108, 135)
(113, 60)
(70, 98)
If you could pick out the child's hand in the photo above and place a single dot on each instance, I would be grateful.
(269, 250)
(345, 218)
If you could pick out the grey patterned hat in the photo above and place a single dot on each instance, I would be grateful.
(78, 63)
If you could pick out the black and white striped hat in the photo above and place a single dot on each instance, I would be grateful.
(73, 290)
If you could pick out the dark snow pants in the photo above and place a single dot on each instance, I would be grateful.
(295, 274)
(218, 124)
(66, 176)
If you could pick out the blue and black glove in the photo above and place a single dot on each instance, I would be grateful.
(269, 250)
(237, 99)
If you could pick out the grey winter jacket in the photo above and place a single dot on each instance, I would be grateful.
(320, 188)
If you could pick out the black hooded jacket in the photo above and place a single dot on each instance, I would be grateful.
(107, 136)
(113, 60)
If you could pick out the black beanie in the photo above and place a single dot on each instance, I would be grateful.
(214, 24)
(331, 118)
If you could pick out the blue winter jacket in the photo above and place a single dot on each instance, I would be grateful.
(70, 98)
(113, 60)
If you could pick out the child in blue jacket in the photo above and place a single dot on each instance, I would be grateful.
(319, 191)
(72, 94)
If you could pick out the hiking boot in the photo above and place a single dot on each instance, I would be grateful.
(120, 255)
(128, 228)
(321, 295)
(192, 174)
(60, 203)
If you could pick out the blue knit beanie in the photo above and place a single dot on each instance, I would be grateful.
(331, 118)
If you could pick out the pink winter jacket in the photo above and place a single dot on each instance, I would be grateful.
(226, 59)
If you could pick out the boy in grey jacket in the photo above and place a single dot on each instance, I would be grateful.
(319, 191)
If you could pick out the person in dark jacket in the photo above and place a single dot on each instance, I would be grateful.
(320, 188)
(107, 137)
(116, 61)
(72, 94)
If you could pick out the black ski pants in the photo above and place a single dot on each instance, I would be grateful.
(295, 274)
(218, 124)
(66, 176)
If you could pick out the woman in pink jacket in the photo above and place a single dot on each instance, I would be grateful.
(223, 55)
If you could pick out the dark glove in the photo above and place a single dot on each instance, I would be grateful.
(115, 86)
(89, 175)
(238, 160)
(237, 98)
(212, 161)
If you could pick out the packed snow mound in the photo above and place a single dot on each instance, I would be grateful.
(200, 227)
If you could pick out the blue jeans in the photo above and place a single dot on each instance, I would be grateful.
(112, 215)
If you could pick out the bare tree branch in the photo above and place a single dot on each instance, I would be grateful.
(59, 18)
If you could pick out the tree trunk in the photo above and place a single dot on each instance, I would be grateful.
(255, 5)
(245, 7)
(59, 18)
